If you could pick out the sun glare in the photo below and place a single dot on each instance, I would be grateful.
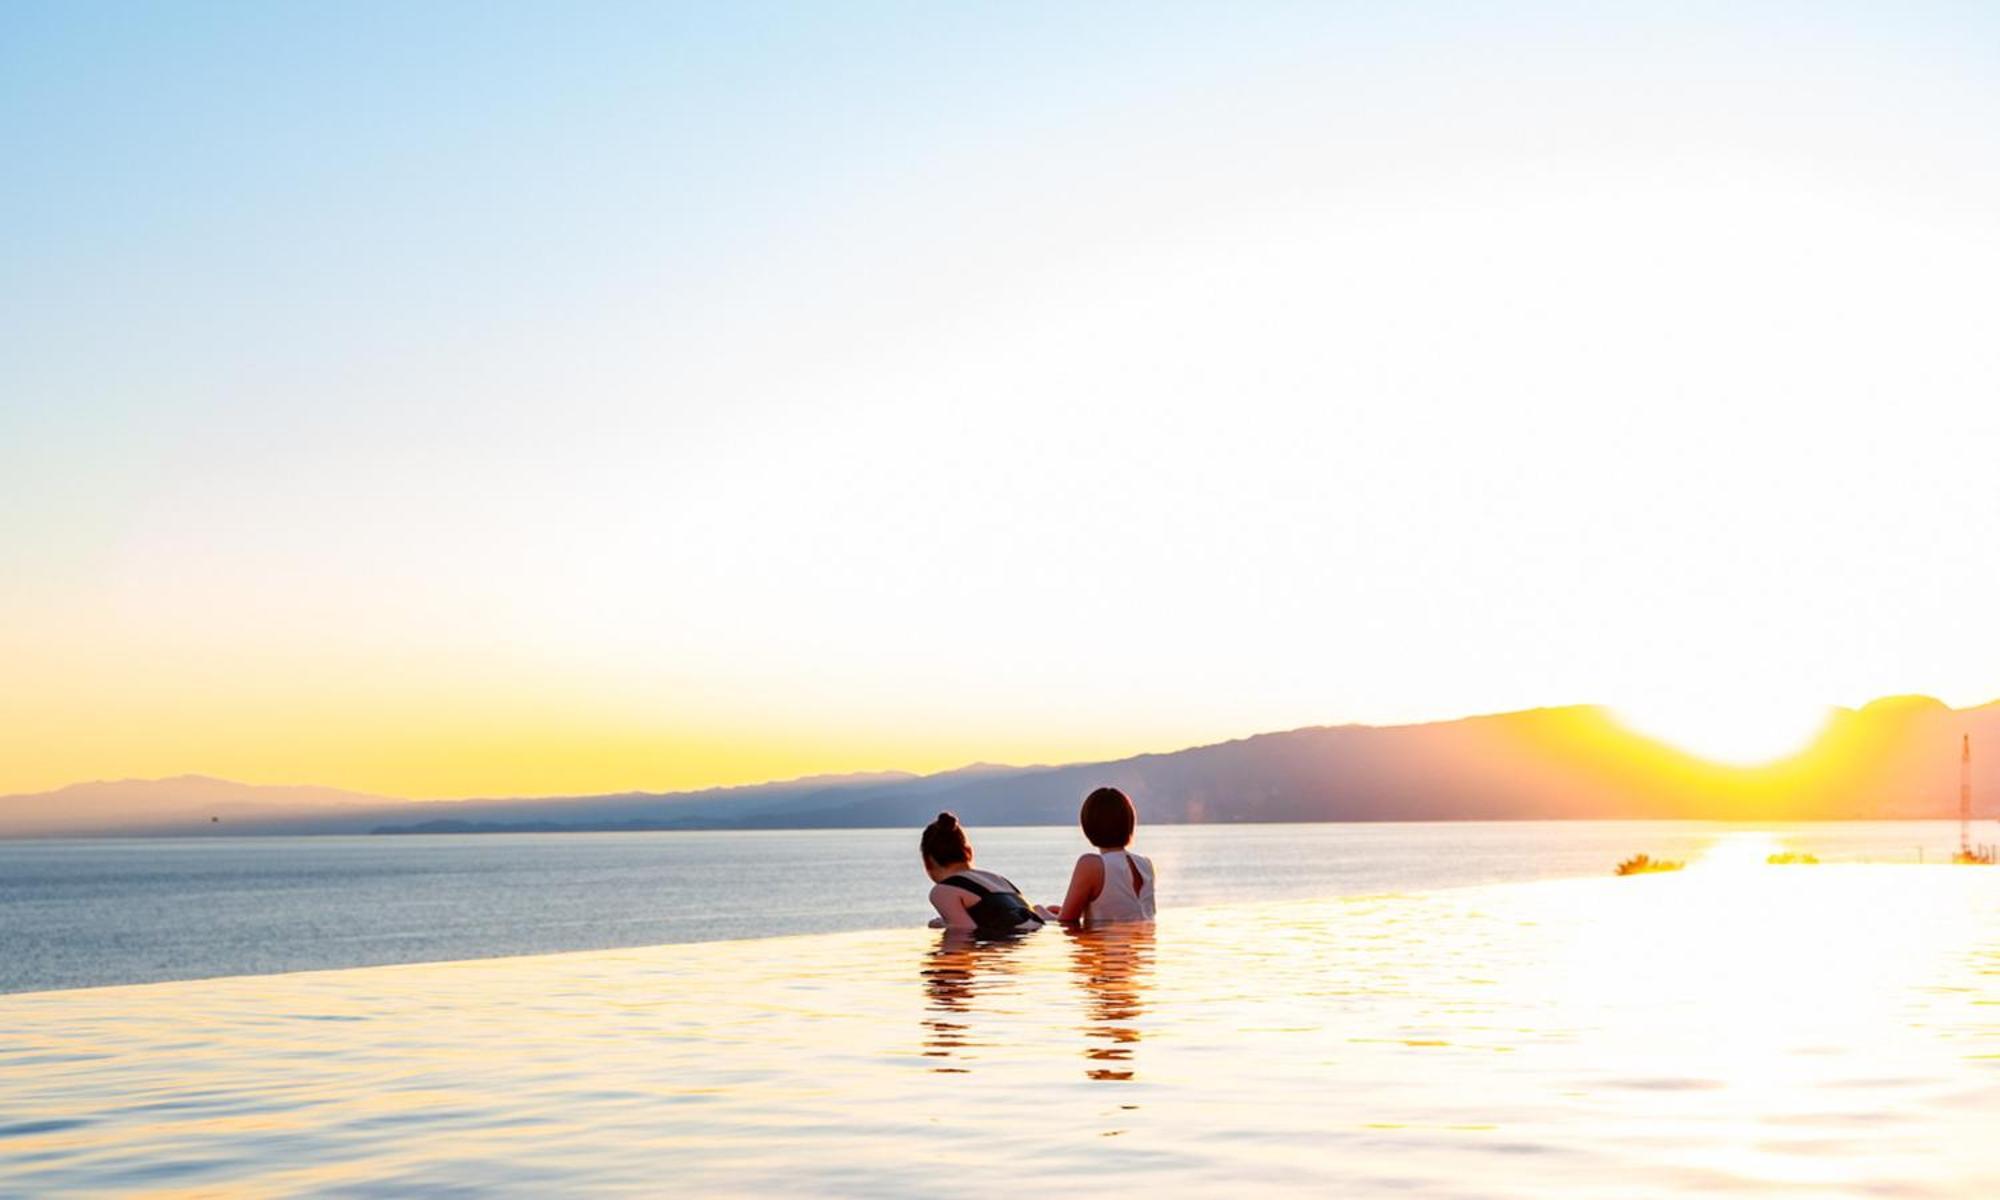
(1738, 851)
(1741, 735)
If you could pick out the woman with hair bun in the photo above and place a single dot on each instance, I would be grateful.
(970, 900)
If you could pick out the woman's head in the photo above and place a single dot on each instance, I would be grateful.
(1108, 819)
(944, 843)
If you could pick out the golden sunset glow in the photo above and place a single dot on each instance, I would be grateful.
(1353, 600)
(1728, 730)
(1428, 376)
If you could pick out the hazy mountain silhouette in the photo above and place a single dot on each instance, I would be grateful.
(1893, 758)
(179, 805)
(197, 804)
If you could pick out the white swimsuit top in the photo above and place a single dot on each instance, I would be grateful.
(1120, 900)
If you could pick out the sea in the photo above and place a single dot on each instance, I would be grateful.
(92, 913)
(1736, 1028)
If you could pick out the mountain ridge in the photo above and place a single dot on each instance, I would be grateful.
(1893, 757)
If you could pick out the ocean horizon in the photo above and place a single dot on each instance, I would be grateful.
(99, 912)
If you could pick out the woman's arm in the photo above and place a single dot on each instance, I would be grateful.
(951, 904)
(1085, 884)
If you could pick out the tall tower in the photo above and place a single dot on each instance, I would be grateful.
(1965, 796)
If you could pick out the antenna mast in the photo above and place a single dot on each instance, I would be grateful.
(1965, 797)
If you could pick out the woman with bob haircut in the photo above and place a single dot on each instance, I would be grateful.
(1112, 884)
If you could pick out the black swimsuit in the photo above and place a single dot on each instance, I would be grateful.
(997, 912)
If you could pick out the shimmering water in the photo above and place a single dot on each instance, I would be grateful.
(1732, 1029)
(89, 913)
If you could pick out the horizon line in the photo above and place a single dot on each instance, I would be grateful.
(907, 775)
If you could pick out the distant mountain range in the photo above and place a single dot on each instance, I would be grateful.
(1894, 758)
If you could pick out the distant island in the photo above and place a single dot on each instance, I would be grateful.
(1892, 759)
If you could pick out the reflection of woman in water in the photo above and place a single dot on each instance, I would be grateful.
(965, 975)
(1113, 967)
(970, 900)
(957, 972)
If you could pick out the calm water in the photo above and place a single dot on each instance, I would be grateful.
(1735, 1029)
(89, 913)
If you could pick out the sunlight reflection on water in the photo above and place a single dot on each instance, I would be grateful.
(1828, 1029)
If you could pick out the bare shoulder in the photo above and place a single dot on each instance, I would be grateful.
(1089, 865)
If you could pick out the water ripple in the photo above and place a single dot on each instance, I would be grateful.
(1818, 1032)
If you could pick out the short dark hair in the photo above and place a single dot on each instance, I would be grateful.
(1108, 818)
(944, 841)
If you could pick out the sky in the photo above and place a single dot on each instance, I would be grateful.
(446, 400)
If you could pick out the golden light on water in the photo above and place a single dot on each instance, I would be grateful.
(1737, 852)
(1726, 1029)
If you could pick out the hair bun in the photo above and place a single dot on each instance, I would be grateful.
(944, 841)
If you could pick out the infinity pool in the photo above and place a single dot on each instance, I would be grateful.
(1734, 1028)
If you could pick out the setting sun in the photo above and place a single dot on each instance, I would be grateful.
(1745, 733)
(555, 553)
